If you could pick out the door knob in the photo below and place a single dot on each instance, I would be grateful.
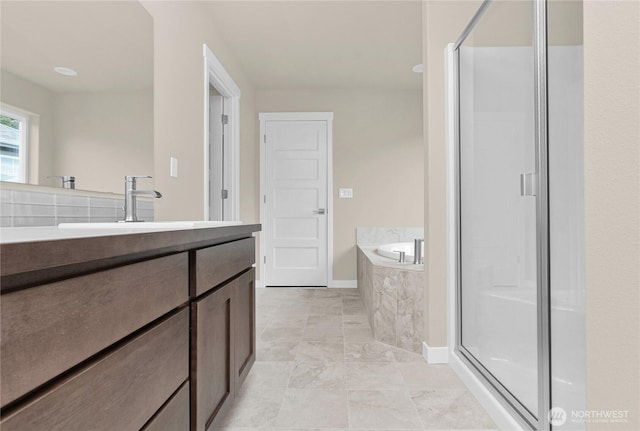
(319, 211)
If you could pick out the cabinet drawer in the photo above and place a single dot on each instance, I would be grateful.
(48, 329)
(174, 416)
(216, 264)
(121, 391)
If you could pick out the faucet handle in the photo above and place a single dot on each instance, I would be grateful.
(68, 181)
(133, 177)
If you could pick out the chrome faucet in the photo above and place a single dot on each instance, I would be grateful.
(68, 181)
(130, 194)
(417, 251)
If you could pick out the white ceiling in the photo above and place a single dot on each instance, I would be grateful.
(323, 44)
(109, 44)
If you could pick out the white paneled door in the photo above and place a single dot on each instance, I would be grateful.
(295, 200)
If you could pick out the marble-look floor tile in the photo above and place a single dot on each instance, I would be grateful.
(284, 305)
(357, 334)
(314, 375)
(422, 376)
(368, 352)
(403, 355)
(327, 293)
(324, 328)
(356, 318)
(313, 408)
(374, 376)
(320, 309)
(276, 350)
(352, 301)
(268, 376)
(314, 372)
(254, 409)
(327, 302)
(382, 409)
(312, 429)
(353, 310)
(452, 410)
(286, 334)
(290, 292)
(290, 318)
(316, 351)
(245, 429)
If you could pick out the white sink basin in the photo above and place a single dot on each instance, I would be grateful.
(150, 225)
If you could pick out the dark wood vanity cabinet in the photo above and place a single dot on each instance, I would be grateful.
(48, 329)
(212, 359)
(245, 326)
(120, 391)
(223, 334)
(159, 339)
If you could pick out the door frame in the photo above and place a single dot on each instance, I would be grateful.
(216, 75)
(296, 116)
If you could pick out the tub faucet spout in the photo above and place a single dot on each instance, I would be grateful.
(417, 251)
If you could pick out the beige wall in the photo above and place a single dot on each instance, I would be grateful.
(442, 23)
(612, 219)
(99, 142)
(38, 101)
(180, 29)
(377, 151)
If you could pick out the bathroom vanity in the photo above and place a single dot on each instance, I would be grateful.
(126, 329)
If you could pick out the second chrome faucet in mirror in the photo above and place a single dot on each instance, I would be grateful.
(130, 197)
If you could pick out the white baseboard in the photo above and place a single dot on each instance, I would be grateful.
(435, 355)
(259, 284)
(343, 284)
(487, 400)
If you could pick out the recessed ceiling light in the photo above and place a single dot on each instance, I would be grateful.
(418, 68)
(65, 71)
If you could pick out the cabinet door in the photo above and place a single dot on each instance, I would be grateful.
(212, 358)
(245, 321)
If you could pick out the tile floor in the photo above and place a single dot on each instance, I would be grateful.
(319, 368)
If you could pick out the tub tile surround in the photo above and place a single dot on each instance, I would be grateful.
(306, 384)
(374, 236)
(392, 292)
(23, 208)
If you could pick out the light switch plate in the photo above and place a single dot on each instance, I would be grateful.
(345, 193)
(173, 170)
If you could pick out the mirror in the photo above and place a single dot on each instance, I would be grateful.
(97, 125)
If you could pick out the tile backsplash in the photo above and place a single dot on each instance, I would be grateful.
(20, 208)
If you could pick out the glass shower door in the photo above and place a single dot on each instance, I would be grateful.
(498, 263)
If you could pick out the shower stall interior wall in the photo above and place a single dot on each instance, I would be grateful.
(501, 289)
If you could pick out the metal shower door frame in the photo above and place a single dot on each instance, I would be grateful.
(510, 402)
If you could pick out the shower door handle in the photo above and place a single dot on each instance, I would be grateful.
(319, 211)
(528, 184)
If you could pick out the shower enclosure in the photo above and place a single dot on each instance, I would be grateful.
(517, 73)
